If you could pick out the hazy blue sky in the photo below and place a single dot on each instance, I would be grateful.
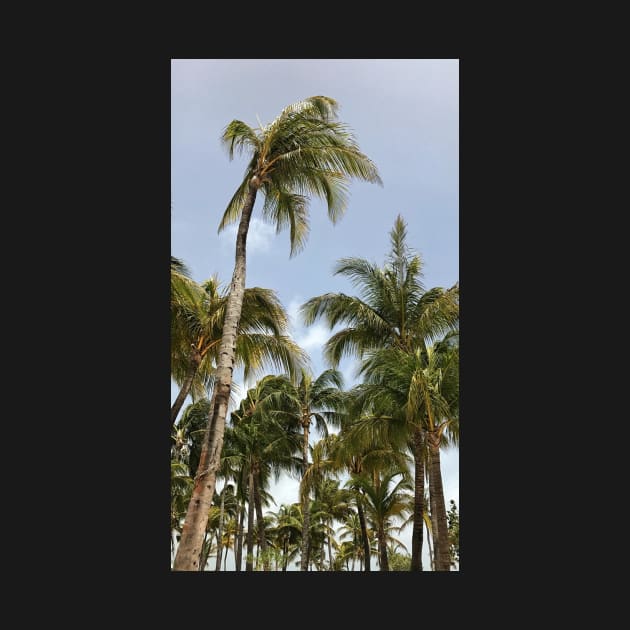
(405, 114)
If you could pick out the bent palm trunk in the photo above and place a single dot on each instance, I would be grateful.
(186, 385)
(187, 558)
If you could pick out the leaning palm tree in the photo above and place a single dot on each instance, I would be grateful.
(304, 151)
(393, 310)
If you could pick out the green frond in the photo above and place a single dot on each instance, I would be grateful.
(238, 136)
(235, 206)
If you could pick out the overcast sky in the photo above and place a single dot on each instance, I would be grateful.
(405, 115)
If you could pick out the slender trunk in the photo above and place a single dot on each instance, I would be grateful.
(205, 552)
(187, 558)
(306, 520)
(249, 561)
(431, 556)
(220, 534)
(418, 503)
(257, 556)
(225, 561)
(330, 559)
(434, 526)
(262, 543)
(440, 545)
(353, 559)
(238, 552)
(382, 547)
(195, 360)
(286, 554)
(364, 535)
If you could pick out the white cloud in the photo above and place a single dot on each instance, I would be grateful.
(259, 237)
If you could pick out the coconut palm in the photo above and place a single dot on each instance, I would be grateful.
(260, 445)
(304, 151)
(319, 401)
(418, 392)
(384, 503)
(394, 309)
(287, 530)
(197, 313)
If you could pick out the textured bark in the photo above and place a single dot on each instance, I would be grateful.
(186, 385)
(440, 547)
(330, 559)
(382, 547)
(262, 543)
(364, 536)
(187, 558)
(249, 560)
(306, 517)
(418, 503)
(431, 556)
(238, 553)
(434, 527)
(285, 559)
(220, 533)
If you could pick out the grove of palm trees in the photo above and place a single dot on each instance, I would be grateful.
(347, 398)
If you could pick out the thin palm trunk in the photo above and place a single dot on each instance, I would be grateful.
(238, 552)
(187, 558)
(205, 552)
(364, 535)
(431, 557)
(249, 561)
(330, 558)
(262, 543)
(434, 526)
(306, 519)
(286, 554)
(220, 533)
(418, 503)
(440, 545)
(186, 386)
(382, 546)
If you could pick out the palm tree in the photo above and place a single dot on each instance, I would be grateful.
(260, 444)
(303, 152)
(197, 313)
(287, 531)
(418, 392)
(309, 400)
(393, 310)
(384, 503)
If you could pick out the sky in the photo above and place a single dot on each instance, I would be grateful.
(405, 117)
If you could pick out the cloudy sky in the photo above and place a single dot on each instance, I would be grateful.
(405, 115)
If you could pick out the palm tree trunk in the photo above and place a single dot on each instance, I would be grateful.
(440, 545)
(418, 503)
(187, 558)
(225, 561)
(382, 546)
(431, 556)
(306, 519)
(286, 556)
(238, 552)
(220, 533)
(195, 360)
(262, 543)
(364, 535)
(249, 561)
(434, 526)
(330, 559)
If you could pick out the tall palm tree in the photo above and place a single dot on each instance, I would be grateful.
(197, 314)
(304, 151)
(288, 531)
(395, 310)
